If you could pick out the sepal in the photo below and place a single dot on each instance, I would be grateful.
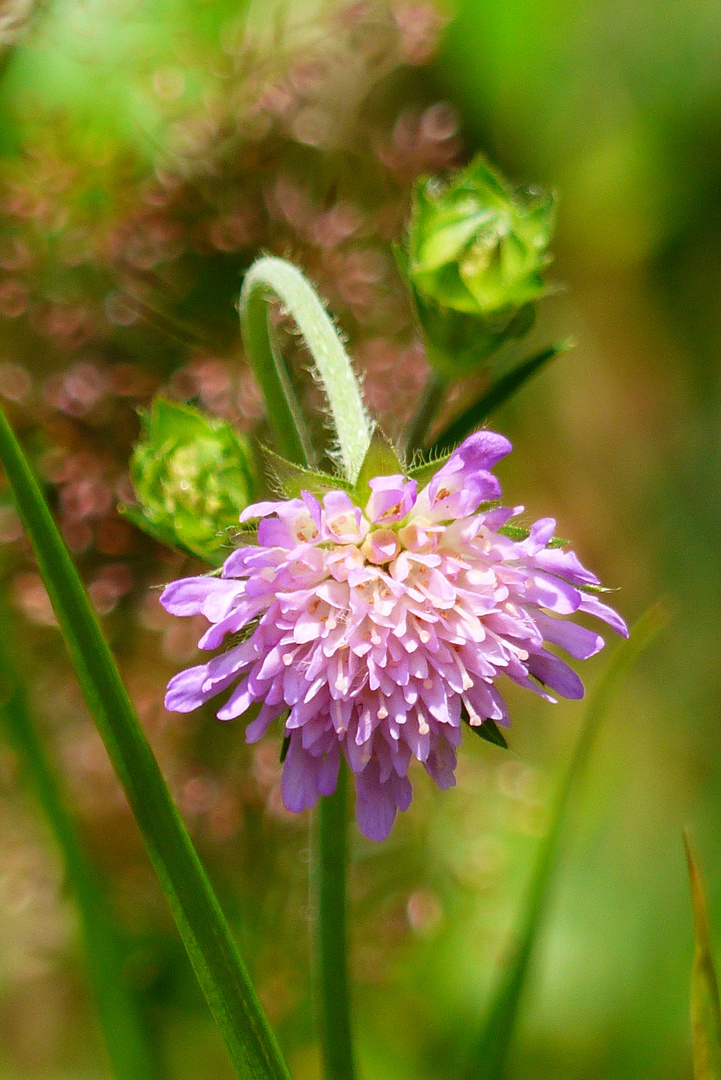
(488, 730)
(381, 459)
(293, 479)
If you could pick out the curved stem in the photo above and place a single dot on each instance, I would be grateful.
(277, 277)
(329, 872)
(434, 394)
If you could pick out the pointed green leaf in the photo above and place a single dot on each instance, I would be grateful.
(705, 1009)
(490, 731)
(381, 459)
(490, 1054)
(499, 393)
(294, 479)
(202, 925)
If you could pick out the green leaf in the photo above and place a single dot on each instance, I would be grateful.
(207, 937)
(294, 479)
(498, 393)
(490, 731)
(380, 460)
(705, 1009)
(490, 1054)
(271, 276)
(105, 956)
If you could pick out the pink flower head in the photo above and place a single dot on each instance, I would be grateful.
(373, 631)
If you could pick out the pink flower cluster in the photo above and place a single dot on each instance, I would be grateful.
(373, 631)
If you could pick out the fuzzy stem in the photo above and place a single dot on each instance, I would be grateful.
(271, 276)
(329, 856)
(329, 880)
(434, 394)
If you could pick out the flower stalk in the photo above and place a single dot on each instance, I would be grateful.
(329, 885)
(275, 277)
(267, 277)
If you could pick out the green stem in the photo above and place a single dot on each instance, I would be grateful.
(205, 932)
(329, 871)
(434, 394)
(117, 1008)
(271, 276)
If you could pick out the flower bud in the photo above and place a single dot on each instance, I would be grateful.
(475, 253)
(192, 476)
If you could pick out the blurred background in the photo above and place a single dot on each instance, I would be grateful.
(148, 152)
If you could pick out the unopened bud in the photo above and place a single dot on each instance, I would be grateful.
(192, 475)
(474, 257)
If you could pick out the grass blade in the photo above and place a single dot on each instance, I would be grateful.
(500, 392)
(117, 1007)
(705, 1009)
(205, 932)
(490, 1054)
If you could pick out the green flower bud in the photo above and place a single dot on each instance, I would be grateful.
(193, 475)
(477, 246)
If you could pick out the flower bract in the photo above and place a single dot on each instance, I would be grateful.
(373, 631)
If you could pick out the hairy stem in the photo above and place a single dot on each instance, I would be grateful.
(274, 277)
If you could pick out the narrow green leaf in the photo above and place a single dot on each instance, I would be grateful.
(117, 1007)
(271, 276)
(380, 460)
(498, 393)
(490, 1053)
(490, 731)
(705, 1008)
(207, 937)
(294, 479)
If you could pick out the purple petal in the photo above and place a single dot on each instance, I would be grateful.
(209, 596)
(566, 565)
(576, 640)
(593, 606)
(391, 499)
(185, 690)
(299, 783)
(257, 728)
(377, 804)
(553, 672)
